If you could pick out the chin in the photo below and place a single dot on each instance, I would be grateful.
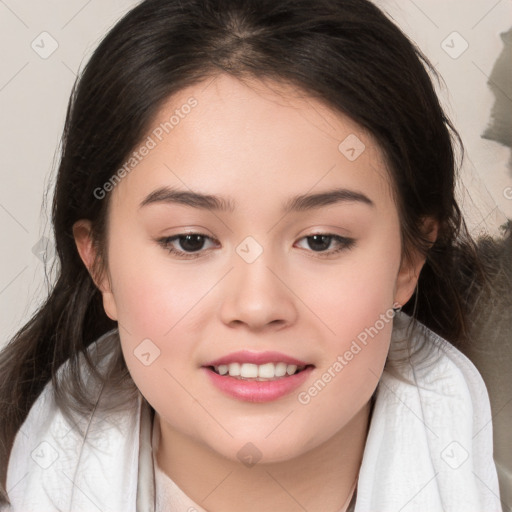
(251, 447)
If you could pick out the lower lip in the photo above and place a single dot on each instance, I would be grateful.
(258, 390)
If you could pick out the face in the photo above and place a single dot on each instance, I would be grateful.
(273, 284)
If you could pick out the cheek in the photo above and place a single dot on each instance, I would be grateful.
(357, 309)
(152, 292)
(343, 385)
(353, 355)
(153, 304)
(351, 296)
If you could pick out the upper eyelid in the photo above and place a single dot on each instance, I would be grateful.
(173, 238)
(184, 233)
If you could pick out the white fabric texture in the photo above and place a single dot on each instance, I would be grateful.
(429, 446)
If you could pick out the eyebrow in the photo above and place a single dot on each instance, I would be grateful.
(300, 203)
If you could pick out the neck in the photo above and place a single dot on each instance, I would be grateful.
(319, 480)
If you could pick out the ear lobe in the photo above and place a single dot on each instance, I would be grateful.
(82, 233)
(410, 267)
(407, 279)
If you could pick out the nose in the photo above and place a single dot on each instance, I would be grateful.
(257, 296)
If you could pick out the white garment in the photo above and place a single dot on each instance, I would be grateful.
(429, 446)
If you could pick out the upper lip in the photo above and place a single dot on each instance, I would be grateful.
(245, 356)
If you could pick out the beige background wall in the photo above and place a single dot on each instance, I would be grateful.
(35, 85)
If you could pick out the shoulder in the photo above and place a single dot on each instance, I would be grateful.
(428, 370)
(60, 461)
(432, 363)
(430, 434)
(36, 452)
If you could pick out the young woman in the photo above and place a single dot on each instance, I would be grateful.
(260, 265)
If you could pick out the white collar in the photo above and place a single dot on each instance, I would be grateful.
(429, 446)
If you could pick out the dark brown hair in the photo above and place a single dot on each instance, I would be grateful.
(346, 53)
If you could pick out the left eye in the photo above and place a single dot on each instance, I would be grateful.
(322, 241)
(191, 244)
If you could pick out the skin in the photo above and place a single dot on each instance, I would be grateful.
(258, 143)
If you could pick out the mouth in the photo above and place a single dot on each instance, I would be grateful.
(258, 372)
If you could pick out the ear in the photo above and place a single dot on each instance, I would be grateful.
(82, 234)
(411, 267)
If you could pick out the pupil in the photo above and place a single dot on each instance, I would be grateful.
(196, 242)
(325, 240)
(191, 242)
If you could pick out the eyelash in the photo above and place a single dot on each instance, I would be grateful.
(344, 244)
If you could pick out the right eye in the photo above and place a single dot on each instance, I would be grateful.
(191, 244)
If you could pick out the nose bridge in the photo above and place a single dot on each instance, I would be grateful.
(256, 296)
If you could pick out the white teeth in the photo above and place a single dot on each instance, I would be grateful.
(223, 369)
(267, 371)
(255, 371)
(291, 369)
(281, 369)
(248, 370)
(234, 369)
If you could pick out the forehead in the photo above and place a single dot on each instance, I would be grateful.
(252, 141)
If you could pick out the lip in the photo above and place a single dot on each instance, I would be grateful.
(257, 391)
(246, 356)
